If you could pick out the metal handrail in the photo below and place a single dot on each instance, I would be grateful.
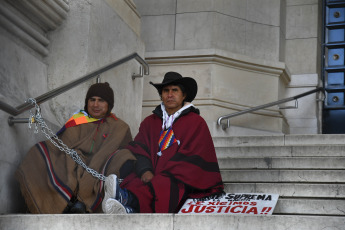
(55, 92)
(265, 106)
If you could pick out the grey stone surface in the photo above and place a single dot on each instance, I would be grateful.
(158, 32)
(249, 141)
(233, 8)
(322, 150)
(92, 36)
(301, 2)
(300, 21)
(252, 31)
(265, 29)
(311, 140)
(262, 41)
(86, 221)
(259, 151)
(22, 75)
(301, 55)
(227, 83)
(310, 207)
(282, 163)
(156, 7)
(259, 223)
(322, 139)
(170, 222)
(95, 44)
(305, 170)
(217, 131)
(290, 190)
(198, 33)
(306, 107)
(213, 30)
(225, 29)
(304, 119)
(264, 12)
(310, 176)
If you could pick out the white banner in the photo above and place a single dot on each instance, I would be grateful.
(233, 204)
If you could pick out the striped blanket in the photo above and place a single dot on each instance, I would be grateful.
(49, 178)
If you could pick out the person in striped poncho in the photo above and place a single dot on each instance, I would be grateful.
(175, 155)
(52, 182)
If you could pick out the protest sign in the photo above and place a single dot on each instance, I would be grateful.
(233, 204)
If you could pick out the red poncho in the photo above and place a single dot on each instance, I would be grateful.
(185, 170)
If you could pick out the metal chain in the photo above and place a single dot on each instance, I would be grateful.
(37, 118)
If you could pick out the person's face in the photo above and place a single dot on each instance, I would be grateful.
(97, 107)
(172, 97)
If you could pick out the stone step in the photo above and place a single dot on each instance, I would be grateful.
(281, 151)
(305, 170)
(242, 141)
(290, 190)
(314, 139)
(283, 163)
(170, 222)
(283, 176)
(280, 140)
(310, 207)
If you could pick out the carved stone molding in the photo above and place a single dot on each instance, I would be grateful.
(30, 20)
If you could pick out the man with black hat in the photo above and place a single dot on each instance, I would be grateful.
(52, 182)
(175, 155)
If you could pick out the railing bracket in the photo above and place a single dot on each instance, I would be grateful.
(227, 125)
(11, 120)
(290, 107)
(141, 73)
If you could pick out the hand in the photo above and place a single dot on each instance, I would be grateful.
(147, 176)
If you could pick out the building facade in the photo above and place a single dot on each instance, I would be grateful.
(243, 53)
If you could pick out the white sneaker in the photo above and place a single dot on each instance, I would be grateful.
(112, 206)
(110, 186)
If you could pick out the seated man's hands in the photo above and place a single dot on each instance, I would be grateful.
(147, 176)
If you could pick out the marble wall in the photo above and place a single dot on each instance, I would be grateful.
(246, 27)
(93, 34)
(243, 53)
(273, 33)
(302, 56)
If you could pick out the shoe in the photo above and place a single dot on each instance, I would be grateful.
(110, 187)
(112, 206)
(78, 207)
(112, 190)
(129, 209)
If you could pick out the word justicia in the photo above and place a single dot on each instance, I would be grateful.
(220, 209)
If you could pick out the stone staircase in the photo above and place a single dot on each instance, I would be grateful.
(307, 171)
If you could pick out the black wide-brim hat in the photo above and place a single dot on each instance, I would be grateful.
(173, 78)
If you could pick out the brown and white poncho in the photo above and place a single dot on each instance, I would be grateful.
(49, 178)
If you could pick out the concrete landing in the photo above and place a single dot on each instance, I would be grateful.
(169, 222)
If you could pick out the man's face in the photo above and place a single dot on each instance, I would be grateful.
(172, 98)
(97, 107)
